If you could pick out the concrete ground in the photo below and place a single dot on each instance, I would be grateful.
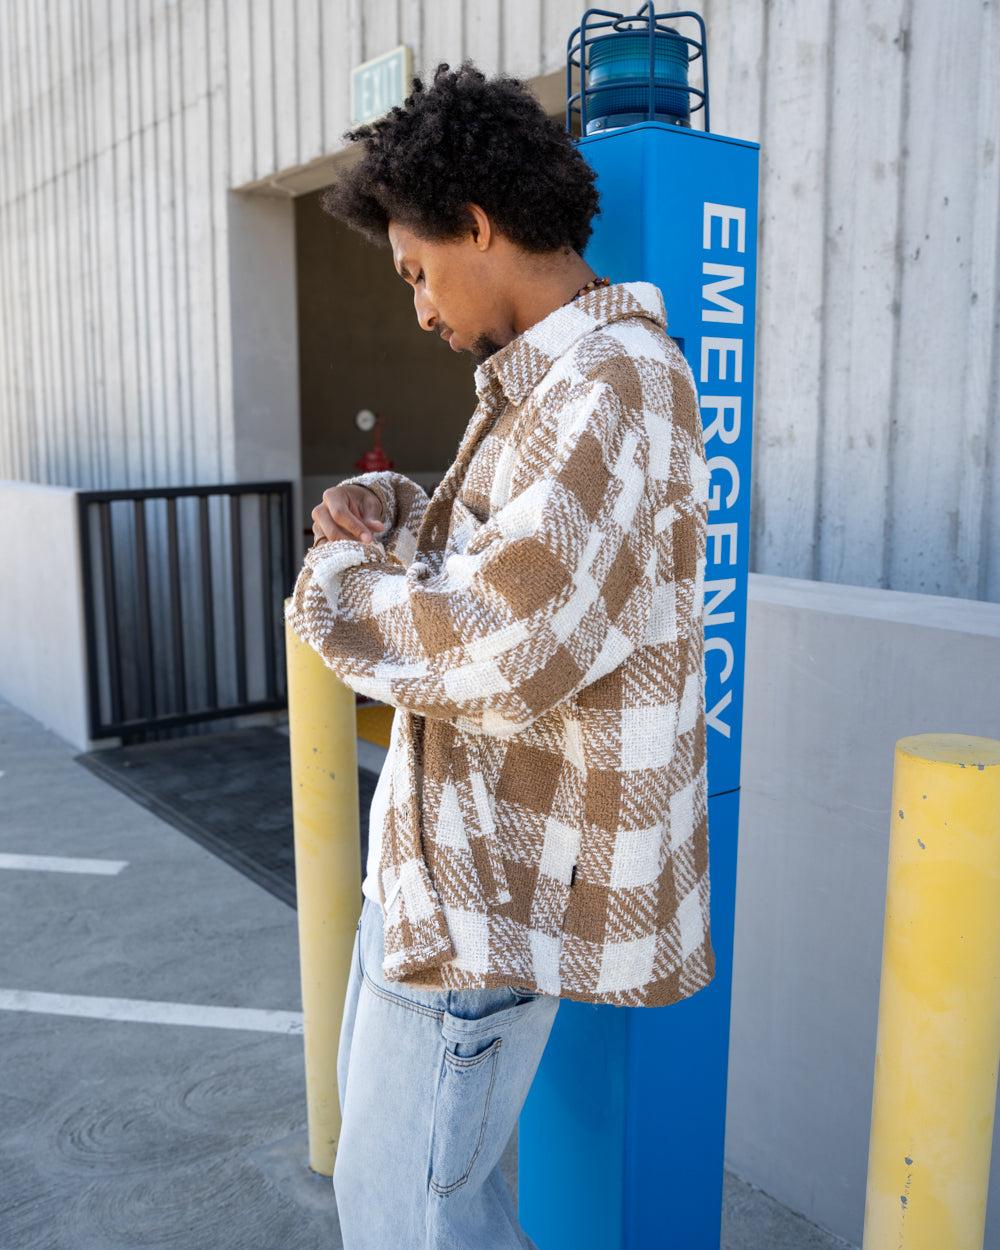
(151, 1080)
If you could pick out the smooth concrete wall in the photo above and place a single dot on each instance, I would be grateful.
(265, 346)
(42, 659)
(835, 675)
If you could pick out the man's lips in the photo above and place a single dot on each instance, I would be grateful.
(448, 336)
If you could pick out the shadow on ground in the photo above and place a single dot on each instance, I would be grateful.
(230, 791)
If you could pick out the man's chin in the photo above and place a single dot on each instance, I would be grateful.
(483, 348)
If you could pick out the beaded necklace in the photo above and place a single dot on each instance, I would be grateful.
(592, 285)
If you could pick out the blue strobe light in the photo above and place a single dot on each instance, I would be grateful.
(633, 68)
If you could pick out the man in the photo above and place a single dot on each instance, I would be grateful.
(539, 829)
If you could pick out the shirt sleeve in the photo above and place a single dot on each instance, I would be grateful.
(552, 592)
(403, 506)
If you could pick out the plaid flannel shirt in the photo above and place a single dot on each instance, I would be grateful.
(537, 626)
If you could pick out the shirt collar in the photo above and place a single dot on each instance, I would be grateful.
(520, 366)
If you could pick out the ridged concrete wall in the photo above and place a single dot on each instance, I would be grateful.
(878, 419)
(123, 125)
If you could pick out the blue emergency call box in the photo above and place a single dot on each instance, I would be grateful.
(621, 1140)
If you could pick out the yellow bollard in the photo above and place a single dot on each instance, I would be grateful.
(939, 1003)
(324, 750)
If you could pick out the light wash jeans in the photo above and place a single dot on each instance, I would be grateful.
(431, 1085)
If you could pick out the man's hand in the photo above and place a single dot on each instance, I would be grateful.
(348, 512)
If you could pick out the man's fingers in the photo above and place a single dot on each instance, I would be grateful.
(353, 519)
(351, 513)
(333, 533)
(324, 525)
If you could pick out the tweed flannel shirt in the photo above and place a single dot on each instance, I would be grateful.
(537, 626)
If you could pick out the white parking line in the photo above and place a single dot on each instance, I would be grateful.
(142, 1011)
(63, 863)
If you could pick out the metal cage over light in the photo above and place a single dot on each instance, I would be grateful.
(633, 68)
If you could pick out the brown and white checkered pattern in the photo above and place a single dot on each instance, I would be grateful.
(538, 625)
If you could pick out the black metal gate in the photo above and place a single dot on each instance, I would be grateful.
(183, 593)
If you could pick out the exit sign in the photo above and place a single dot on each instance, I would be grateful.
(381, 84)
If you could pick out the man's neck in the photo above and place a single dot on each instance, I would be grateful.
(547, 288)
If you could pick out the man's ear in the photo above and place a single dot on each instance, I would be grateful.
(482, 227)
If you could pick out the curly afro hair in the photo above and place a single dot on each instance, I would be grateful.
(469, 139)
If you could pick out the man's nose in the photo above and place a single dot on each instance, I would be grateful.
(427, 314)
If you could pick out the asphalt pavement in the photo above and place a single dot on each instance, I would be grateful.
(151, 1075)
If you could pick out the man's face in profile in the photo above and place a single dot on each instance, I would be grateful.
(450, 293)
